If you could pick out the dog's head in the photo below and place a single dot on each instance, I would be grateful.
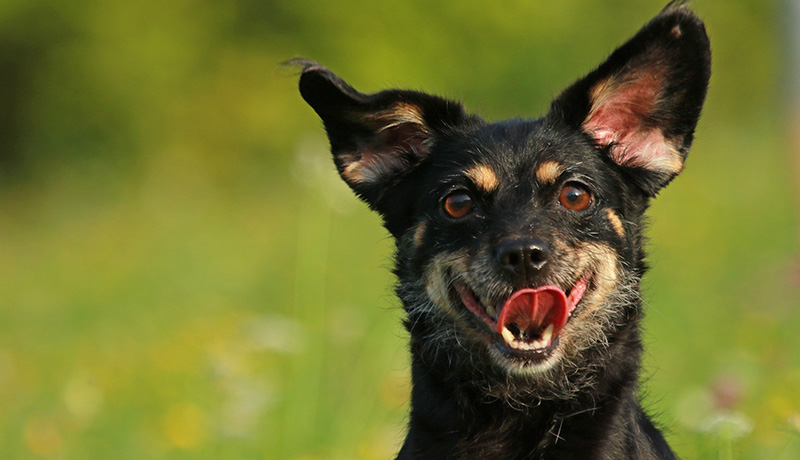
(519, 242)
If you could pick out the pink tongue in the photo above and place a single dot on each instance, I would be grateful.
(535, 309)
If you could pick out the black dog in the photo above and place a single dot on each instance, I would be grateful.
(520, 246)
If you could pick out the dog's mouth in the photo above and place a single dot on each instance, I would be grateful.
(527, 324)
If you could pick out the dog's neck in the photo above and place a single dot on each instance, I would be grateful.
(458, 416)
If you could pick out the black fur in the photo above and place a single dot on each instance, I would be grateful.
(616, 136)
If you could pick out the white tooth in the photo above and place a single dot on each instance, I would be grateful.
(539, 344)
(492, 312)
(485, 301)
(508, 336)
(547, 335)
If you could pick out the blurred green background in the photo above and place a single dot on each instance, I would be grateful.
(182, 274)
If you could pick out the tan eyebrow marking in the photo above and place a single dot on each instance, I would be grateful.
(616, 222)
(484, 177)
(549, 171)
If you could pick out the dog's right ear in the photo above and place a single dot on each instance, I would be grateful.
(377, 138)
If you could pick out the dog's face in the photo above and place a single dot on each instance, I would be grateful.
(519, 242)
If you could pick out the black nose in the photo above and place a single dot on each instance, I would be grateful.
(522, 257)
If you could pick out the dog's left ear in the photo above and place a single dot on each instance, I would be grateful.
(641, 106)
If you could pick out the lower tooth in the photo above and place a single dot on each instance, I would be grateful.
(508, 336)
(547, 334)
(542, 343)
(492, 312)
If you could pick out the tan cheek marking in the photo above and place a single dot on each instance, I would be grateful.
(603, 262)
(419, 234)
(436, 280)
(437, 284)
(605, 273)
(548, 172)
(483, 177)
(616, 222)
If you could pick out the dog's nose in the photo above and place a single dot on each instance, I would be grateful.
(522, 257)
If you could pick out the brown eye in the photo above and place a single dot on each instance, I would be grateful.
(575, 197)
(458, 205)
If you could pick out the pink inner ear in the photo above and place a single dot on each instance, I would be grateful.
(619, 117)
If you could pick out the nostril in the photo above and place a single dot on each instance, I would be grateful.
(537, 256)
(510, 259)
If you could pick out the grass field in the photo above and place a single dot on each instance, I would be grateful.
(183, 276)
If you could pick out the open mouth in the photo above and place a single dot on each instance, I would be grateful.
(527, 324)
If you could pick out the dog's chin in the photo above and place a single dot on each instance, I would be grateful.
(536, 349)
(525, 364)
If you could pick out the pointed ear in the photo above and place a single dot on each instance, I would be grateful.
(377, 138)
(641, 106)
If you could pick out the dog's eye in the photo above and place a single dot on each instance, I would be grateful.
(458, 205)
(575, 197)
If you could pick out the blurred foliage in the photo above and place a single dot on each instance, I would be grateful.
(182, 274)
